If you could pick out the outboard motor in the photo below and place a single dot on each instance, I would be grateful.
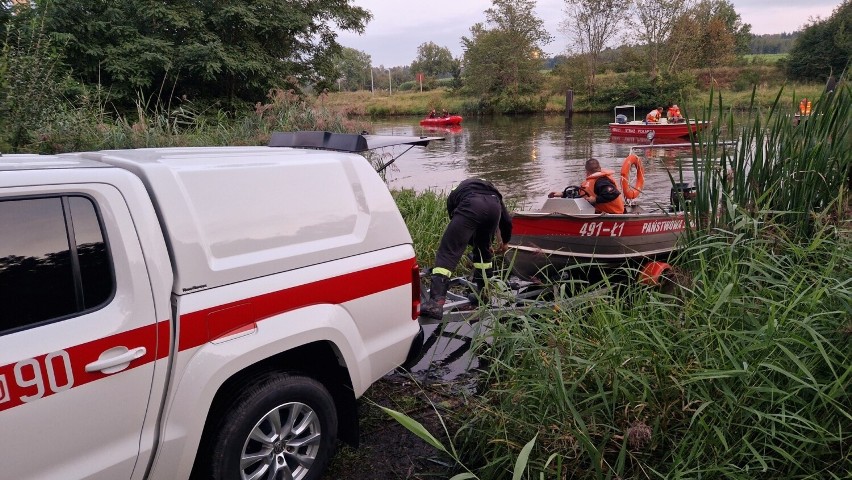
(620, 118)
(680, 195)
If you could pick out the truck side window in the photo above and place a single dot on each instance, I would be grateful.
(95, 268)
(53, 261)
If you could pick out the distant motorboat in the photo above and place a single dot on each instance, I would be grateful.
(624, 127)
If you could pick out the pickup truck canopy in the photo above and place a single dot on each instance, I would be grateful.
(348, 142)
(344, 142)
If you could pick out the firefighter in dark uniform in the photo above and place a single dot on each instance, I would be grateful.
(476, 211)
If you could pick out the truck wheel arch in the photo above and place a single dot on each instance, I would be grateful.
(282, 424)
(320, 361)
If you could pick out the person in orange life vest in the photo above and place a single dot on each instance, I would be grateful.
(654, 115)
(674, 115)
(599, 189)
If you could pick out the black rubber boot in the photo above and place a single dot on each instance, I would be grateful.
(434, 307)
(478, 297)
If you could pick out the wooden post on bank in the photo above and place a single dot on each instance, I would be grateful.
(569, 103)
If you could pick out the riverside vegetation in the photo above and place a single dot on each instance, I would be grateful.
(687, 89)
(742, 371)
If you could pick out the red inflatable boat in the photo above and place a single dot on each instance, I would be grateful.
(441, 121)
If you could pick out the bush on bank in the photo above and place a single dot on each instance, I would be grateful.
(687, 89)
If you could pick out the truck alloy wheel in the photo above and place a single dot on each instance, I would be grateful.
(283, 427)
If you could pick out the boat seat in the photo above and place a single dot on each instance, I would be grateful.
(568, 206)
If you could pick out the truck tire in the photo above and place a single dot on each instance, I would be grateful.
(284, 426)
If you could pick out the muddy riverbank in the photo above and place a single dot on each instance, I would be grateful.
(440, 382)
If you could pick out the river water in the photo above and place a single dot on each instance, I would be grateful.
(527, 156)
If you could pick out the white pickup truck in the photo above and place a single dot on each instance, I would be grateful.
(204, 312)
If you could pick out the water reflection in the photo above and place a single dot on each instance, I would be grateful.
(526, 156)
(449, 356)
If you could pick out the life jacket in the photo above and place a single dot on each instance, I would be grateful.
(653, 116)
(613, 206)
(674, 112)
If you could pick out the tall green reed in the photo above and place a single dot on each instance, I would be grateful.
(747, 373)
(744, 372)
(776, 170)
(30, 80)
(156, 122)
(425, 214)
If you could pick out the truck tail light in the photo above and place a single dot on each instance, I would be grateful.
(415, 292)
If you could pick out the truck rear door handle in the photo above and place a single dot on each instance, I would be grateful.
(115, 359)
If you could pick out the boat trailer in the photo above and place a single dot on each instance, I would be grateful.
(448, 353)
(515, 295)
(507, 296)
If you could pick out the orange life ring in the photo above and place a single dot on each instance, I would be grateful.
(632, 191)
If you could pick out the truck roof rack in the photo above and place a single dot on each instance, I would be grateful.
(344, 142)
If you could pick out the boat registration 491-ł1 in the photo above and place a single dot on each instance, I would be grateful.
(595, 229)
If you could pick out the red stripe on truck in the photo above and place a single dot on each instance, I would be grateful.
(65, 369)
(195, 327)
(29, 380)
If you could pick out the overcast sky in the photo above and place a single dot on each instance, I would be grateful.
(400, 26)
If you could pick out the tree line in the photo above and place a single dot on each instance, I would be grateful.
(229, 51)
(233, 54)
(659, 38)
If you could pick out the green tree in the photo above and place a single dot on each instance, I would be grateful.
(590, 25)
(709, 34)
(353, 67)
(655, 19)
(505, 60)
(772, 43)
(208, 49)
(432, 60)
(32, 78)
(824, 47)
